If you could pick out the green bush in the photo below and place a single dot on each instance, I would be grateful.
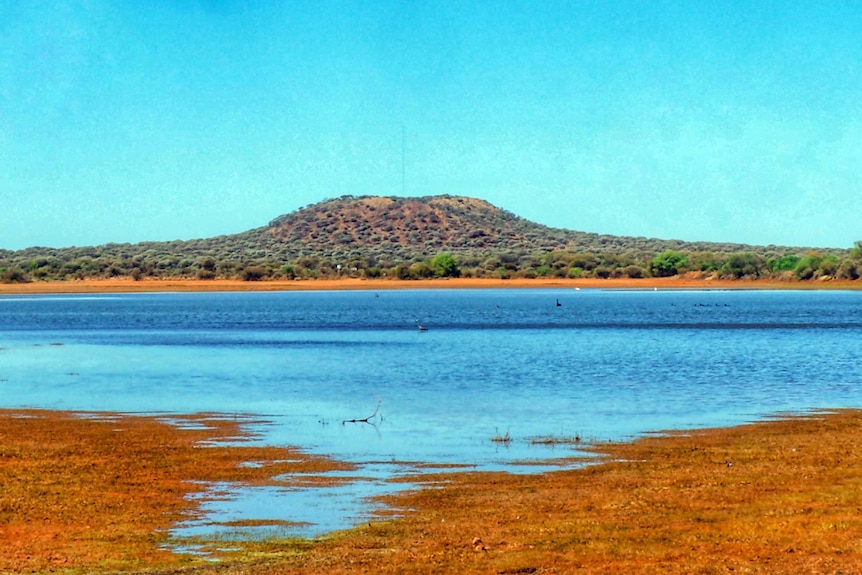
(445, 266)
(785, 263)
(807, 267)
(668, 263)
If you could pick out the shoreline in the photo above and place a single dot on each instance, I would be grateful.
(774, 496)
(125, 285)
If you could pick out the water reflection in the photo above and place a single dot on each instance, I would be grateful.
(603, 365)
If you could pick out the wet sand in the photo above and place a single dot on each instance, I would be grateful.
(122, 285)
(94, 494)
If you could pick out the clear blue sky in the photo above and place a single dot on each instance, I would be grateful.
(719, 121)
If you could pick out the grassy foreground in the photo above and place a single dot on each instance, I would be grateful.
(782, 496)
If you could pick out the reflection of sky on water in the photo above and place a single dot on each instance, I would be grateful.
(307, 506)
(306, 512)
(440, 421)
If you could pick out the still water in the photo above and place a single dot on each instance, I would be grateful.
(603, 364)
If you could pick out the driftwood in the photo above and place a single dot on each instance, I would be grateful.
(368, 419)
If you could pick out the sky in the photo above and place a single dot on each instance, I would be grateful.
(725, 121)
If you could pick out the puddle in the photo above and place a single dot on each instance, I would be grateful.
(307, 506)
(231, 512)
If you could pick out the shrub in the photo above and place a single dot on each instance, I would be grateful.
(785, 263)
(602, 272)
(848, 270)
(807, 266)
(445, 265)
(421, 270)
(633, 271)
(741, 265)
(253, 273)
(288, 271)
(828, 266)
(668, 263)
(13, 275)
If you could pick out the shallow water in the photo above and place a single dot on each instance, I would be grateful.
(602, 365)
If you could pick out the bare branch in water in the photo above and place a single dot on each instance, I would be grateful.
(369, 418)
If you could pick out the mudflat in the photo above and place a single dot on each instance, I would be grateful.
(122, 285)
(94, 493)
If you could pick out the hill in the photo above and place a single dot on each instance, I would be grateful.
(414, 228)
(375, 236)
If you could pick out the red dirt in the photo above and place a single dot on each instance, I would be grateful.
(150, 285)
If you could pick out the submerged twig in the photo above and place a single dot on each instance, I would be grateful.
(367, 419)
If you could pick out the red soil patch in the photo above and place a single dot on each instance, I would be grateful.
(150, 285)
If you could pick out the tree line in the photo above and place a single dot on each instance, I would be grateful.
(113, 261)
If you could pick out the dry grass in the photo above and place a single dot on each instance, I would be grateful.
(782, 496)
(98, 493)
(777, 497)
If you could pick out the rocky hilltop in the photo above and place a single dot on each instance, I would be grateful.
(409, 228)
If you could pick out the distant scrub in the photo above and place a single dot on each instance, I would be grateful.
(413, 238)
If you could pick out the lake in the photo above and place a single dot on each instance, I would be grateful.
(601, 365)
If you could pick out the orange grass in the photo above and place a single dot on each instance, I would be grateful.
(99, 492)
(776, 497)
(782, 496)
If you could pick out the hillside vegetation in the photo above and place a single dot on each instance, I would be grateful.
(432, 236)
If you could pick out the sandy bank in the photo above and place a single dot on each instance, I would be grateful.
(123, 285)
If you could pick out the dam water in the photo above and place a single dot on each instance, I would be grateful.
(604, 364)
